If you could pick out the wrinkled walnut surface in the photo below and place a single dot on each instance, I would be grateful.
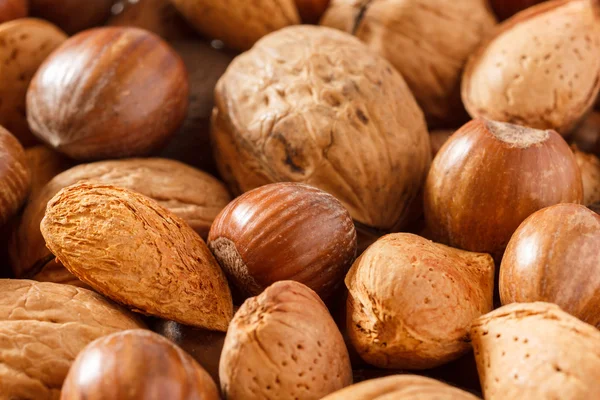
(15, 177)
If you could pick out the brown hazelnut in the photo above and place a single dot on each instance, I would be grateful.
(490, 176)
(311, 10)
(321, 127)
(72, 16)
(587, 135)
(507, 8)
(44, 164)
(238, 23)
(595, 207)
(283, 344)
(134, 365)
(13, 9)
(589, 165)
(529, 75)
(25, 45)
(411, 301)
(14, 176)
(137, 253)
(427, 42)
(535, 351)
(401, 387)
(553, 257)
(284, 231)
(108, 93)
(438, 139)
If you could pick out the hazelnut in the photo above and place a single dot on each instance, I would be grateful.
(71, 15)
(130, 249)
(108, 92)
(13, 9)
(411, 301)
(14, 176)
(553, 257)
(43, 327)
(428, 43)
(283, 344)
(507, 8)
(133, 365)
(25, 45)
(311, 10)
(589, 165)
(400, 387)
(490, 176)
(284, 231)
(587, 135)
(321, 127)
(44, 164)
(238, 23)
(536, 351)
(438, 138)
(529, 75)
(595, 207)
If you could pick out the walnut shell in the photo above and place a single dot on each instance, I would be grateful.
(283, 344)
(311, 104)
(411, 301)
(238, 23)
(187, 192)
(43, 327)
(536, 351)
(44, 164)
(14, 176)
(589, 165)
(541, 69)
(428, 42)
(108, 93)
(401, 387)
(134, 365)
(13, 9)
(137, 253)
(71, 15)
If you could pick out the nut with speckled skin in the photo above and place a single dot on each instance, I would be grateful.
(312, 105)
(284, 231)
(283, 343)
(72, 15)
(134, 365)
(108, 93)
(541, 68)
(401, 387)
(535, 351)
(14, 176)
(44, 326)
(13, 9)
(490, 176)
(553, 257)
(589, 165)
(132, 250)
(411, 301)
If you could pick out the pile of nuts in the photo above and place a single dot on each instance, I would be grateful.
(299, 199)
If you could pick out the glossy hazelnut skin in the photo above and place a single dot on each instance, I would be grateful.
(72, 16)
(311, 10)
(14, 176)
(133, 365)
(284, 231)
(507, 8)
(490, 176)
(13, 9)
(553, 257)
(108, 93)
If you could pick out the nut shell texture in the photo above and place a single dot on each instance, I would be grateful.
(133, 365)
(137, 253)
(283, 344)
(589, 165)
(14, 176)
(411, 301)
(43, 327)
(313, 105)
(107, 93)
(541, 69)
(71, 15)
(553, 257)
(536, 351)
(284, 231)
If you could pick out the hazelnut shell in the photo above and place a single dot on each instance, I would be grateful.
(13, 9)
(44, 164)
(71, 15)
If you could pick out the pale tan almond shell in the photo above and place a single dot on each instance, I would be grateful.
(427, 41)
(238, 23)
(533, 351)
(401, 387)
(589, 165)
(541, 69)
(411, 301)
(312, 105)
(132, 250)
(44, 164)
(44, 326)
(24, 45)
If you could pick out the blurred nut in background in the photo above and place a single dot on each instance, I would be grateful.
(428, 42)
(541, 69)
(589, 165)
(438, 138)
(490, 176)
(13, 9)
(312, 105)
(311, 10)
(411, 301)
(108, 93)
(26, 44)
(44, 164)
(134, 365)
(284, 231)
(536, 351)
(283, 344)
(507, 8)
(14, 176)
(587, 135)
(72, 16)
(554, 257)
